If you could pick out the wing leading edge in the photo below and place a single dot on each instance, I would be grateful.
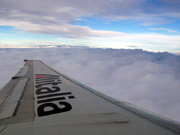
(40, 100)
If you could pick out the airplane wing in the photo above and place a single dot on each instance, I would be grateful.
(40, 101)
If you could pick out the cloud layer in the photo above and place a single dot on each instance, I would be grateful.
(149, 80)
(59, 16)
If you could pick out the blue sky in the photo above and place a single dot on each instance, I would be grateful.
(145, 24)
(128, 26)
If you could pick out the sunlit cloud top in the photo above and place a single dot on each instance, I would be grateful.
(95, 23)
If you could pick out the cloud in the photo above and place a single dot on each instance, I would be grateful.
(59, 16)
(64, 30)
(164, 29)
(146, 79)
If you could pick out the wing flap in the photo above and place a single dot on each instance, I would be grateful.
(13, 100)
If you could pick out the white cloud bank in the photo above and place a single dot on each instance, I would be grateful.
(149, 80)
